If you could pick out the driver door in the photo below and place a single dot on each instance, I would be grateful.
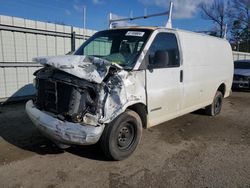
(164, 79)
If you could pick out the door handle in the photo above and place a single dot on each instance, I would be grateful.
(181, 76)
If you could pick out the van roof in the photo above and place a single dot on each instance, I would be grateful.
(153, 28)
(137, 27)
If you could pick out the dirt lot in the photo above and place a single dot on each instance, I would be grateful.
(191, 151)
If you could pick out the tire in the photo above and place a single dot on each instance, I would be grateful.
(215, 108)
(121, 137)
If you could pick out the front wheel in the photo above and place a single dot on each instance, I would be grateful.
(121, 137)
(215, 108)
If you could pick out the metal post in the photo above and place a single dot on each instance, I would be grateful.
(248, 45)
(73, 40)
(84, 22)
(110, 20)
(225, 32)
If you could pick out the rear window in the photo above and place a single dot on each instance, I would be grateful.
(242, 64)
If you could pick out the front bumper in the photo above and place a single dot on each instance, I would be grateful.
(63, 132)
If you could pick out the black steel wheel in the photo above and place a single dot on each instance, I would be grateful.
(215, 108)
(121, 137)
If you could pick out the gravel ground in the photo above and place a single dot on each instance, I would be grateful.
(191, 151)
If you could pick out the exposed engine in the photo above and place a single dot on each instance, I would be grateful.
(65, 96)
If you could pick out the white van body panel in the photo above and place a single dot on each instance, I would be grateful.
(206, 62)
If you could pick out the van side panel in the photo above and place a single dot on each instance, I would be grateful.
(207, 63)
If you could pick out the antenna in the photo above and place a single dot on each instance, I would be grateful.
(145, 12)
(131, 18)
(131, 14)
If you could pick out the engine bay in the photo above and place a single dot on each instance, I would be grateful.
(65, 96)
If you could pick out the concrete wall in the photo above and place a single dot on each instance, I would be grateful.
(23, 39)
(241, 55)
(16, 81)
(18, 46)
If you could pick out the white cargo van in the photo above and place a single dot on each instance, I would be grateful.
(122, 80)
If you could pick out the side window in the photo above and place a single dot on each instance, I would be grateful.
(164, 51)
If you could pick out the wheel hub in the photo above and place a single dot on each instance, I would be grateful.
(218, 105)
(125, 136)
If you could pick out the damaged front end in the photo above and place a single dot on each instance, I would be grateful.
(78, 95)
(66, 96)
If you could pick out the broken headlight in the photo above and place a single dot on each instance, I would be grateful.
(76, 118)
(90, 119)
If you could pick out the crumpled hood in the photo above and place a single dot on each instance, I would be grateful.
(89, 68)
(242, 72)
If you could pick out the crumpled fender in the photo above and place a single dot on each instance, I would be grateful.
(121, 91)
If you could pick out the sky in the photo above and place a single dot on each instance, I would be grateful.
(70, 12)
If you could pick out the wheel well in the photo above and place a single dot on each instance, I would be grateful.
(141, 110)
(222, 89)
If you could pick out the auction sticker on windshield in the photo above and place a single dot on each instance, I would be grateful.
(135, 33)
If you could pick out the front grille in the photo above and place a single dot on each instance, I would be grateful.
(53, 96)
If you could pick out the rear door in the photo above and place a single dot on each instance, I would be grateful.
(164, 79)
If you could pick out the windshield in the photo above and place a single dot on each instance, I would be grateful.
(121, 46)
(242, 64)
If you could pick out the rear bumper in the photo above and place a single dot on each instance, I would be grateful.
(62, 131)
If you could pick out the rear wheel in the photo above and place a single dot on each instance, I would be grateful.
(121, 137)
(215, 108)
